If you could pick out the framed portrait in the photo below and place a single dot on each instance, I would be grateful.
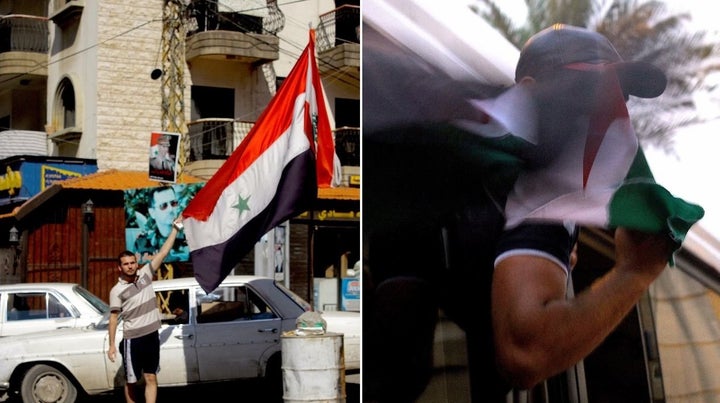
(163, 156)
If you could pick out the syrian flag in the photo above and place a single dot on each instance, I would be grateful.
(272, 176)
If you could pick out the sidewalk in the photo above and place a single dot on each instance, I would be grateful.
(449, 383)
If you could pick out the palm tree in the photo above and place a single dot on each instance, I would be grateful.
(640, 30)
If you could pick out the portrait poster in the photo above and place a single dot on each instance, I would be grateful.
(149, 216)
(163, 156)
(280, 250)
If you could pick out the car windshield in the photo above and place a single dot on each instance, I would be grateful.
(103, 322)
(298, 299)
(92, 299)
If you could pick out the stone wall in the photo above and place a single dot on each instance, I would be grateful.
(129, 101)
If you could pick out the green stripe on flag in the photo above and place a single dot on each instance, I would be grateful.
(643, 205)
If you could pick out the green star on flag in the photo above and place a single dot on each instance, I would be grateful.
(242, 204)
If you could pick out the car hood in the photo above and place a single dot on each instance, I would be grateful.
(348, 323)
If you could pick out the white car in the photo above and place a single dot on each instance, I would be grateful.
(231, 333)
(32, 307)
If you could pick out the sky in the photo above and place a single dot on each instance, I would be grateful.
(688, 173)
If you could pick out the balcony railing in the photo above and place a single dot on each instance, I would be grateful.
(215, 138)
(66, 11)
(234, 16)
(339, 26)
(23, 33)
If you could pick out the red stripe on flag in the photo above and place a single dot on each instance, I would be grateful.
(607, 111)
(325, 141)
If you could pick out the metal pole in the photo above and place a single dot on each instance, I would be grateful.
(286, 253)
(84, 267)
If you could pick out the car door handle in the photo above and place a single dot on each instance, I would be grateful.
(273, 330)
(182, 336)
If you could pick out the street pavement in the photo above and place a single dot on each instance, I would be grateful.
(250, 391)
(449, 383)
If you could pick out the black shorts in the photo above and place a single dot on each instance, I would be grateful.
(140, 355)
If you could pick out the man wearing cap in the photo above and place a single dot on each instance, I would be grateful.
(569, 96)
(578, 84)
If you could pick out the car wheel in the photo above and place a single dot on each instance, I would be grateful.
(43, 383)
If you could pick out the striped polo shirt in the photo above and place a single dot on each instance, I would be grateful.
(136, 304)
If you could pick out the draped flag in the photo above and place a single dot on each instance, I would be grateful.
(273, 175)
(598, 177)
(595, 175)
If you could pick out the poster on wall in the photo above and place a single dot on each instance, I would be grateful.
(271, 253)
(163, 156)
(279, 252)
(149, 214)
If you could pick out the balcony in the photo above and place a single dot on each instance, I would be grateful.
(338, 42)
(212, 140)
(347, 145)
(23, 49)
(215, 138)
(219, 32)
(67, 11)
(22, 142)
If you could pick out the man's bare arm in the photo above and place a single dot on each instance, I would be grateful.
(112, 328)
(165, 248)
(539, 333)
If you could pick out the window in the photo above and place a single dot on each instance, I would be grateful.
(92, 299)
(67, 103)
(66, 125)
(231, 303)
(26, 306)
(215, 108)
(347, 134)
(174, 306)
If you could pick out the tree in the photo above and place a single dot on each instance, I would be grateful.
(642, 31)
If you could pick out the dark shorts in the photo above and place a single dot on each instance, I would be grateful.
(140, 355)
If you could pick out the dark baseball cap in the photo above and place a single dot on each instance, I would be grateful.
(561, 45)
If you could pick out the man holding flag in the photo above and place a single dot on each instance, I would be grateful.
(553, 152)
(272, 176)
